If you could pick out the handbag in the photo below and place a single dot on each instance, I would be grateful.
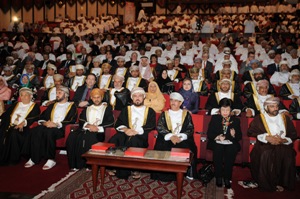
(206, 174)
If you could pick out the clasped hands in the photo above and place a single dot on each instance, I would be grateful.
(50, 124)
(20, 126)
(221, 137)
(275, 139)
(92, 128)
(130, 132)
(175, 139)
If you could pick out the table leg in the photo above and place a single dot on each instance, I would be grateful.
(102, 175)
(179, 184)
(94, 176)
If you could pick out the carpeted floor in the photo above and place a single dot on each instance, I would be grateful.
(80, 186)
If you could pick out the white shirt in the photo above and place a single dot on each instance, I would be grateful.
(20, 113)
(78, 81)
(94, 116)
(96, 71)
(137, 119)
(276, 127)
(132, 82)
(279, 78)
(176, 122)
(49, 82)
(103, 80)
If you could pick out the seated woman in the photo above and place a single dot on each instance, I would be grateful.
(154, 98)
(224, 133)
(93, 121)
(24, 83)
(191, 98)
(14, 128)
(164, 82)
(175, 130)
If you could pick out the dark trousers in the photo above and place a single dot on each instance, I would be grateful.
(43, 142)
(224, 154)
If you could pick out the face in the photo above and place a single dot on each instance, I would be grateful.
(272, 109)
(50, 71)
(25, 79)
(226, 65)
(277, 58)
(121, 63)
(225, 111)
(224, 87)
(226, 75)
(251, 56)
(97, 99)
(60, 95)
(197, 64)
(79, 72)
(295, 78)
(144, 62)
(284, 68)
(135, 73)
(29, 70)
(175, 104)
(263, 90)
(258, 76)
(96, 64)
(7, 73)
(138, 99)
(118, 83)
(226, 57)
(152, 88)
(90, 81)
(164, 74)
(177, 61)
(134, 56)
(25, 97)
(57, 82)
(106, 69)
(187, 85)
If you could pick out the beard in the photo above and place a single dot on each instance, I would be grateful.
(138, 103)
(273, 113)
(60, 99)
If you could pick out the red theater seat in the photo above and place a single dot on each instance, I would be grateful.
(167, 104)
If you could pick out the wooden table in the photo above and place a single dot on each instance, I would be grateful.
(153, 160)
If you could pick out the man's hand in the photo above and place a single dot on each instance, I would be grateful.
(50, 124)
(175, 139)
(130, 132)
(248, 113)
(83, 104)
(20, 126)
(92, 128)
(274, 140)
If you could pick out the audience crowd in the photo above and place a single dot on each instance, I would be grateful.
(145, 68)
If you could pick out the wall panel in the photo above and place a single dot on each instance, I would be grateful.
(38, 14)
(27, 15)
(92, 7)
(71, 11)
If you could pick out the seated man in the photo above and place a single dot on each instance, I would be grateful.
(291, 89)
(78, 80)
(118, 96)
(14, 128)
(273, 157)
(203, 74)
(133, 126)
(212, 104)
(49, 96)
(250, 86)
(227, 73)
(105, 79)
(199, 85)
(51, 127)
(248, 76)
(135, 80)
(93, 121)
(226, 65)
(173, 74)
(255, 103)
(9, 76)
(48, 81)
(82, 94)
(281, 77)
(175, 130)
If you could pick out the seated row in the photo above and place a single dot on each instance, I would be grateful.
(175, 129)
(118, 96)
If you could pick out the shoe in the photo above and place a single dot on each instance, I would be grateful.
(112, 172)
(227, 183)
(219, 182)
(189, 177)
(279, 188)
(29, 164)
(49, 165)
(136, 175)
